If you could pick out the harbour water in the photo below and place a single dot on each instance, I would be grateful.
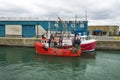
(21, 63)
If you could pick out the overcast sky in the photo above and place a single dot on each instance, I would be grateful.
(99, 12)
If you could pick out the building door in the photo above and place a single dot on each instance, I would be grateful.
(2, 30)
(28, 31)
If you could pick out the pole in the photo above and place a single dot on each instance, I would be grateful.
(48, 30)
(37, 31)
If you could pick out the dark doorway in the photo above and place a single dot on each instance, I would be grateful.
(98, 32)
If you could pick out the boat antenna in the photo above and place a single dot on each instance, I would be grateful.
(75, 23)
(75, 20)
(86, 14)
(49, 30)
(61, 22)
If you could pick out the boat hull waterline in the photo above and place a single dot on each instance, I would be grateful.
(55, 51)
(88, 45)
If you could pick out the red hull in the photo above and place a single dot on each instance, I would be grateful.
(88, 46)
(54, 51)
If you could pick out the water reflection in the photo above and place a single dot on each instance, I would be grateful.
(75, 67)
(24, 62)
(89, 55)
(12, 55)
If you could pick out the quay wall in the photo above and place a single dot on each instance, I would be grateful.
(29, 42)
(108, 45)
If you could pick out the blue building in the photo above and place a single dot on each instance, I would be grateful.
(32, 27)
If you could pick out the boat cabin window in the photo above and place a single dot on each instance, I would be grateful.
(44, 41)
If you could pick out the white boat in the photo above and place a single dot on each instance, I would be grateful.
(86, 43)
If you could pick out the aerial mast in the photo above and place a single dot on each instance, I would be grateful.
(86, 14)
(61, 22)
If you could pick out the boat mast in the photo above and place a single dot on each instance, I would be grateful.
(75, 26)
(86, 15)
(75, 20)
(62, 24)
(48, 30)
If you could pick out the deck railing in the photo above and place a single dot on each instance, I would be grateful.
(106, 38)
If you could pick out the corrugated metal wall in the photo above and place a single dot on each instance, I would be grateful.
(2, 30)
(36, 28)
(28, 31)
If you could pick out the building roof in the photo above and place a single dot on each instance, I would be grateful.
(38, 19)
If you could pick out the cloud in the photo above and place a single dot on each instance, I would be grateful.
(103, 11)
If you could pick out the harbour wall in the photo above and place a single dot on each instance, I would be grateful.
(108, 45)
(29, 42)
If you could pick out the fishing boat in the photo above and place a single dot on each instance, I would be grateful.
(86, 45)
(67, 47)
(41, 48)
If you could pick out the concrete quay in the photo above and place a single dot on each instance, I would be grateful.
(29, 42)
(108, 45)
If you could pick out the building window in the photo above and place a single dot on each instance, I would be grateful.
(56, 25)
(73, 25)
(65, 25)
(81, 25)
(104, 33)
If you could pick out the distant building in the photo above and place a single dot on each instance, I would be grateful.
(35, 27)
(104, 30)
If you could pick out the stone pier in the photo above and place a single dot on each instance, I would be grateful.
(29, 42)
